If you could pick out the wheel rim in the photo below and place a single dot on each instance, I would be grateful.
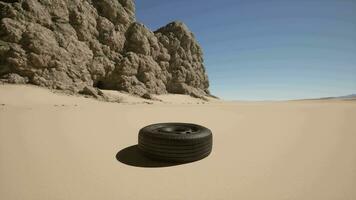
(176, 129)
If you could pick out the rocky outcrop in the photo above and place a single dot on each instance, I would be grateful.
(80, 44)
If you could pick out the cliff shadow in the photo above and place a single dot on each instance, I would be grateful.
(133, 156)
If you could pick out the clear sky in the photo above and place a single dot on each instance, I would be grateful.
(268, 49)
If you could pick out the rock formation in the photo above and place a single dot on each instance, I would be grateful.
(80, 44)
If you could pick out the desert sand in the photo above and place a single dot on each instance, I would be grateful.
(54, 146)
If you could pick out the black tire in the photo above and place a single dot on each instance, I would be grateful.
(175, 142)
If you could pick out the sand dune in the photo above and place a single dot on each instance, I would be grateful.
(54, 146)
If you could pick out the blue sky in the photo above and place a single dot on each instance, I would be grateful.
(268, 50)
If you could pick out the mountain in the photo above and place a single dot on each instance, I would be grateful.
(82, 45)
(346, 97)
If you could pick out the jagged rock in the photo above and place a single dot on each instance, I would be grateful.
(147, 96)
(150, 97)
(15, 79)
(80, 44)
(186, 63)
(91, 91)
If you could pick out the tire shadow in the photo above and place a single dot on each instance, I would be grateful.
(133, 156)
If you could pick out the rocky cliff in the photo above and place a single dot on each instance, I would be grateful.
(76, 45)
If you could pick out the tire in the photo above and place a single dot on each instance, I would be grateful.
(175, 142)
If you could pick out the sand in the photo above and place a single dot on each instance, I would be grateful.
(61, 147)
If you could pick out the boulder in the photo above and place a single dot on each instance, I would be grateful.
(14, 78)
(91, 91)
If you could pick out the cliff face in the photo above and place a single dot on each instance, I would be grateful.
(76, 44)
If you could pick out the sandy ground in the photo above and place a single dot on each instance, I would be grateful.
(59, 147)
